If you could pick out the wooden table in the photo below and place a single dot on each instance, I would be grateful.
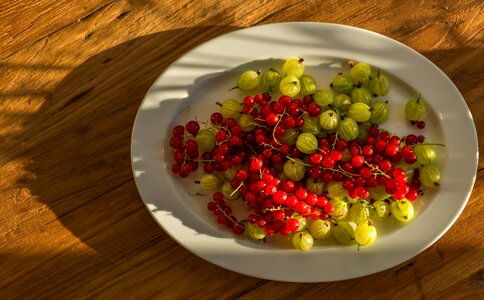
(73, 74)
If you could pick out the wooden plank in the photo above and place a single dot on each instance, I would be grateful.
(87, 153)
(24, 22)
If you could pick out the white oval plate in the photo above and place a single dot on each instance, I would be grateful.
(191, 85)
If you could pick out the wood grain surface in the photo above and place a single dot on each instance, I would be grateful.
(72, 75)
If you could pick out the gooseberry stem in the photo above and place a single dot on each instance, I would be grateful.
(238, 188)
(428, 144)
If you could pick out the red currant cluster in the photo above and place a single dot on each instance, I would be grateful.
(274, 201)
(223, 212)
(372, 165)
(186, 150)
(259, 155)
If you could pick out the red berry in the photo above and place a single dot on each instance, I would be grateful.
(371, 140)
(397, 157)
(420, 124)
(314, 110)
(412, 194)
(380, 145)
(278, 215)
(216, 118)
(250, 197)
(218, 197)
(328, 162)
(293, 109)
(327, 176)
(348, 184)
(347, 166)
(230, 122)
(176, 168)
(266, 96)
(415, 184)
(371, 182)
(272, 119)
(285, 100)
(278, 107)
(411, 139)
(299, 122)
(355, 150)
(391, 149)
(406, 151)
(249, 101)
(279, 131)
(360, 181)
(329, 209)
(236, 130)
(292, 224)
(221, 136)
(191, 146)
(337, 176)
(308, 99)
(322, 201)
(373, 131)
(271, 189)
(301, 194)
(276, 158)
(288, 186)
(336, 155)
(384, 136)
(395, 140)
(192, 127)
(362, 192)
(280, 197)
(357, 161)
(341, 144)
(291, 201)
(311, 199)
(385, 165)
(315, 158)
(179, 156)
(399, 174)
(176, 142)
(353, 193)
(411, 158)
(239, 229)
(289, 122)
(209, 168)
(367, 150)
(261, 223)
(365, 172)
(377, 158)
(255, 165)
(178, 130)
(302, 208)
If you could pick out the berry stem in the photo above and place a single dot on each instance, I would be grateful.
(374, 168)
(335, 140)
(277, 124)
(238, 188)
(229, 216)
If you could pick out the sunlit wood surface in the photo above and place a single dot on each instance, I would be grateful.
(72, 75)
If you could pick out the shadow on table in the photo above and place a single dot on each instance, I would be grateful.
(77, 145)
